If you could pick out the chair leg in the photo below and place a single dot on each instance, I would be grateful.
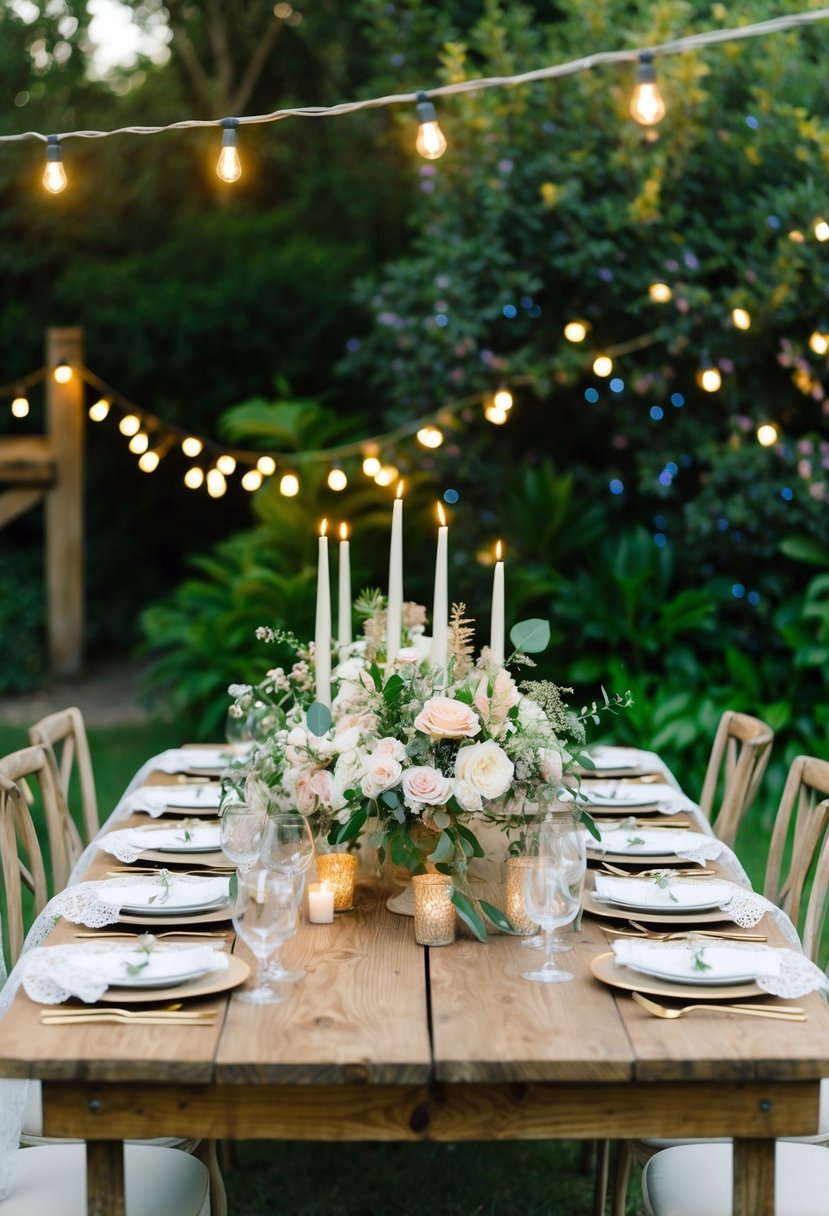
(586, 1150)
(206, 1153)
(600, 1177)
(227, 1154)
(620, 1178)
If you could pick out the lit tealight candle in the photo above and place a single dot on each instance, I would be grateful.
(394, 614)
(320, 903)
(496, 642)
(439, 653)
(322, 631)
(344, 617)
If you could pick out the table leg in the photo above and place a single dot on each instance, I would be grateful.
(105, 1178)
(753, 1178)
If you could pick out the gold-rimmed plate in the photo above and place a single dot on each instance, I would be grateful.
(209, 984)
(606, 970)
(608, 911)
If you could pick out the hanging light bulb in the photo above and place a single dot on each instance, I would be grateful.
(62, 373)
(337, 479)
(767, 434)
(741, 318)
(194, 477)
(289, 485)
(54, 175)
(660, 293)
(821, 230)
(229, 167)
(191, 446)
(576, 331)
(430, 142)
(819, 341)
(130, 424)
(495, 416)
(99, 409)
(139, 442)
(371, 466)
(386, 475)
(646, 106)
(503, 400)
(226, 464)
(216, 484)
(20, 406)
(603, 365)
(708, 375)
(266, 465)
(430, 437)
(149, 462)
(251, 480)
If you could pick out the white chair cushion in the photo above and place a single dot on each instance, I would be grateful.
(696, 1180)
(51, 1181)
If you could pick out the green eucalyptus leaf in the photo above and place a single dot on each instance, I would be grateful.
(497, 917)
(468, 914)
(589, 823)
(318, 718)
(443, 850)
(530, 636)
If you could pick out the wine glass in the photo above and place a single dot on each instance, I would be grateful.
(236, 727)
(559, 836)
(264, 916)
(241, 831)
(550, 901)
(288, 848)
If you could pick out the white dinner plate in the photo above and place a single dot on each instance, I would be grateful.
(674, 962)
(204, 838)
(168, 981)
(704, 978)
(174, 909)
(643, 842)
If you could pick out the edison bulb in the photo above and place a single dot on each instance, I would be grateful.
(371, 466)
(20, 406)
(226, 464)
(148, 462)
(430, 437)
(430, 141)
(99, 410)
(767, 434)
(194, 477)
(216, 484)
(660, 293)
(495, 416)
(821, 230)
(266, 465)
(251, 480)
(503, 400)
(62, 373)
(741, 318)
(289, 485)
(603, 365)
(646, 106)
(337, 480)
(575, 331)
(229, 167)
(386, 475)
(139, 442)
(191, 446)
(129, 424)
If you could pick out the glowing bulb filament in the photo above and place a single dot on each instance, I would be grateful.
(430, 142)
(647, 106)
(54, 175)
(229, 167)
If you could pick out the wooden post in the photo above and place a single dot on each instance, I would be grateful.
(64, 505)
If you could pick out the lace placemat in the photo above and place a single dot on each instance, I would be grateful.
(53, 974)
(83, 903)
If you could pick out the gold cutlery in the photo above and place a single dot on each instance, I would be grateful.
(652, 936)
(614, 825)
(143, 871)
(185, 779)
(119, 1020)
(671, 873)
(789, 1014)
(99, 933)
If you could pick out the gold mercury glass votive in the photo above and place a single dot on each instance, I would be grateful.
(514, 904)
(339, 871)
(434, 916)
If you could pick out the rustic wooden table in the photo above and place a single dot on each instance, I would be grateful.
(384, 1040)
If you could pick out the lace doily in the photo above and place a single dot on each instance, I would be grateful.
(53, 974)
(82, 904)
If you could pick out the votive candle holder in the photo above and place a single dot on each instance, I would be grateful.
(434, 916)
(514, 903)
(339, 871)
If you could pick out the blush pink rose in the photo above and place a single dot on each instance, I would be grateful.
(384, 772)
(496, 705)
(304, 795)
(425, 784)
(390, 747)
(323, 786)
(550, 766)
(446, 718)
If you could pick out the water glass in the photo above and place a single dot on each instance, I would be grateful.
(557, 834)
(550, 902)
(241, 831)
(264, 916)
(288, 848)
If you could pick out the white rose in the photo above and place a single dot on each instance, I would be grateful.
(345, 740)
(383, 773)
(485, 768)
(425, 784)
(530, 713)
(407, 654)
(389, 746)
(467, 797)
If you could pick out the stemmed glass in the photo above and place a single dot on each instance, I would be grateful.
(264, 916)
(288, 848)
(241, 831)
(558, 836)
(550, 901)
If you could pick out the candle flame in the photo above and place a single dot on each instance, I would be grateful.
(499, 549)
(343, 531)
(441, 516)
(323, 527)
(400, 488)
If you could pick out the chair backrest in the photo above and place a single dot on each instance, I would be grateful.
(65, 844)
(739, 755)
(801, 830)
(64, 734)
(22, 864)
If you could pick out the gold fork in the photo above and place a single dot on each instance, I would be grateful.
(791, 1013)
(695, 873)
(99, 933)
(672, 937)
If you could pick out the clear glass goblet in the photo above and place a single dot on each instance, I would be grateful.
(551, 903)
(288, 848)
(241, 831)
(558, 835)
(264, 916)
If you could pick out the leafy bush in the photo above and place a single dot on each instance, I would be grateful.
(22, 621)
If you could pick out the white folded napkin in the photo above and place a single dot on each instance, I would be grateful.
(154, 799)
(188, 838)
(702, 962)
(670, 893)
(159, 964)
(152, 893)
(616, 757)
(52, 974)
(617, 793)
(644, 842)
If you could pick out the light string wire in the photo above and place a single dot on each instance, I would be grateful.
(23, 382)
(676, 46)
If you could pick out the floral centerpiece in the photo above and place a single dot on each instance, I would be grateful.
(411, 756)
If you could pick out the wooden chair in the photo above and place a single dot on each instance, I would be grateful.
(35, 765)
(738, 759)
(22, 865)
(801, 833)
(64, 735)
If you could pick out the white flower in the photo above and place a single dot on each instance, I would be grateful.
(467, 797)
(345, 740)
(550, 765)
(407, 654)
(424, 784)
(486, 768)
(390, 746)
(530, 713)
(384, 772)
(238, 690)
(446, 718)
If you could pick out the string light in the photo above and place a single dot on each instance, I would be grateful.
(216, 484)
(646, 106)
(430, 437)
(494, 415)
(226, 464)
(767, 434)
(708, 376)
(54, 175)
(99, 409)
(139, 442)
(503, 399)
(576, 331)
(62, 373)
(741, 318)
(251, 480)
(337, 479)
(387, 474)
(20, 406)
(371, 466)
(289, 485)
(149, 462)
(194, 477)
(821, 230)
(229, 167)
(660, 293)
(191, 446)
(130, 424)
(430, 142)
(603, 365)
(819, 341)
(266, 465)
